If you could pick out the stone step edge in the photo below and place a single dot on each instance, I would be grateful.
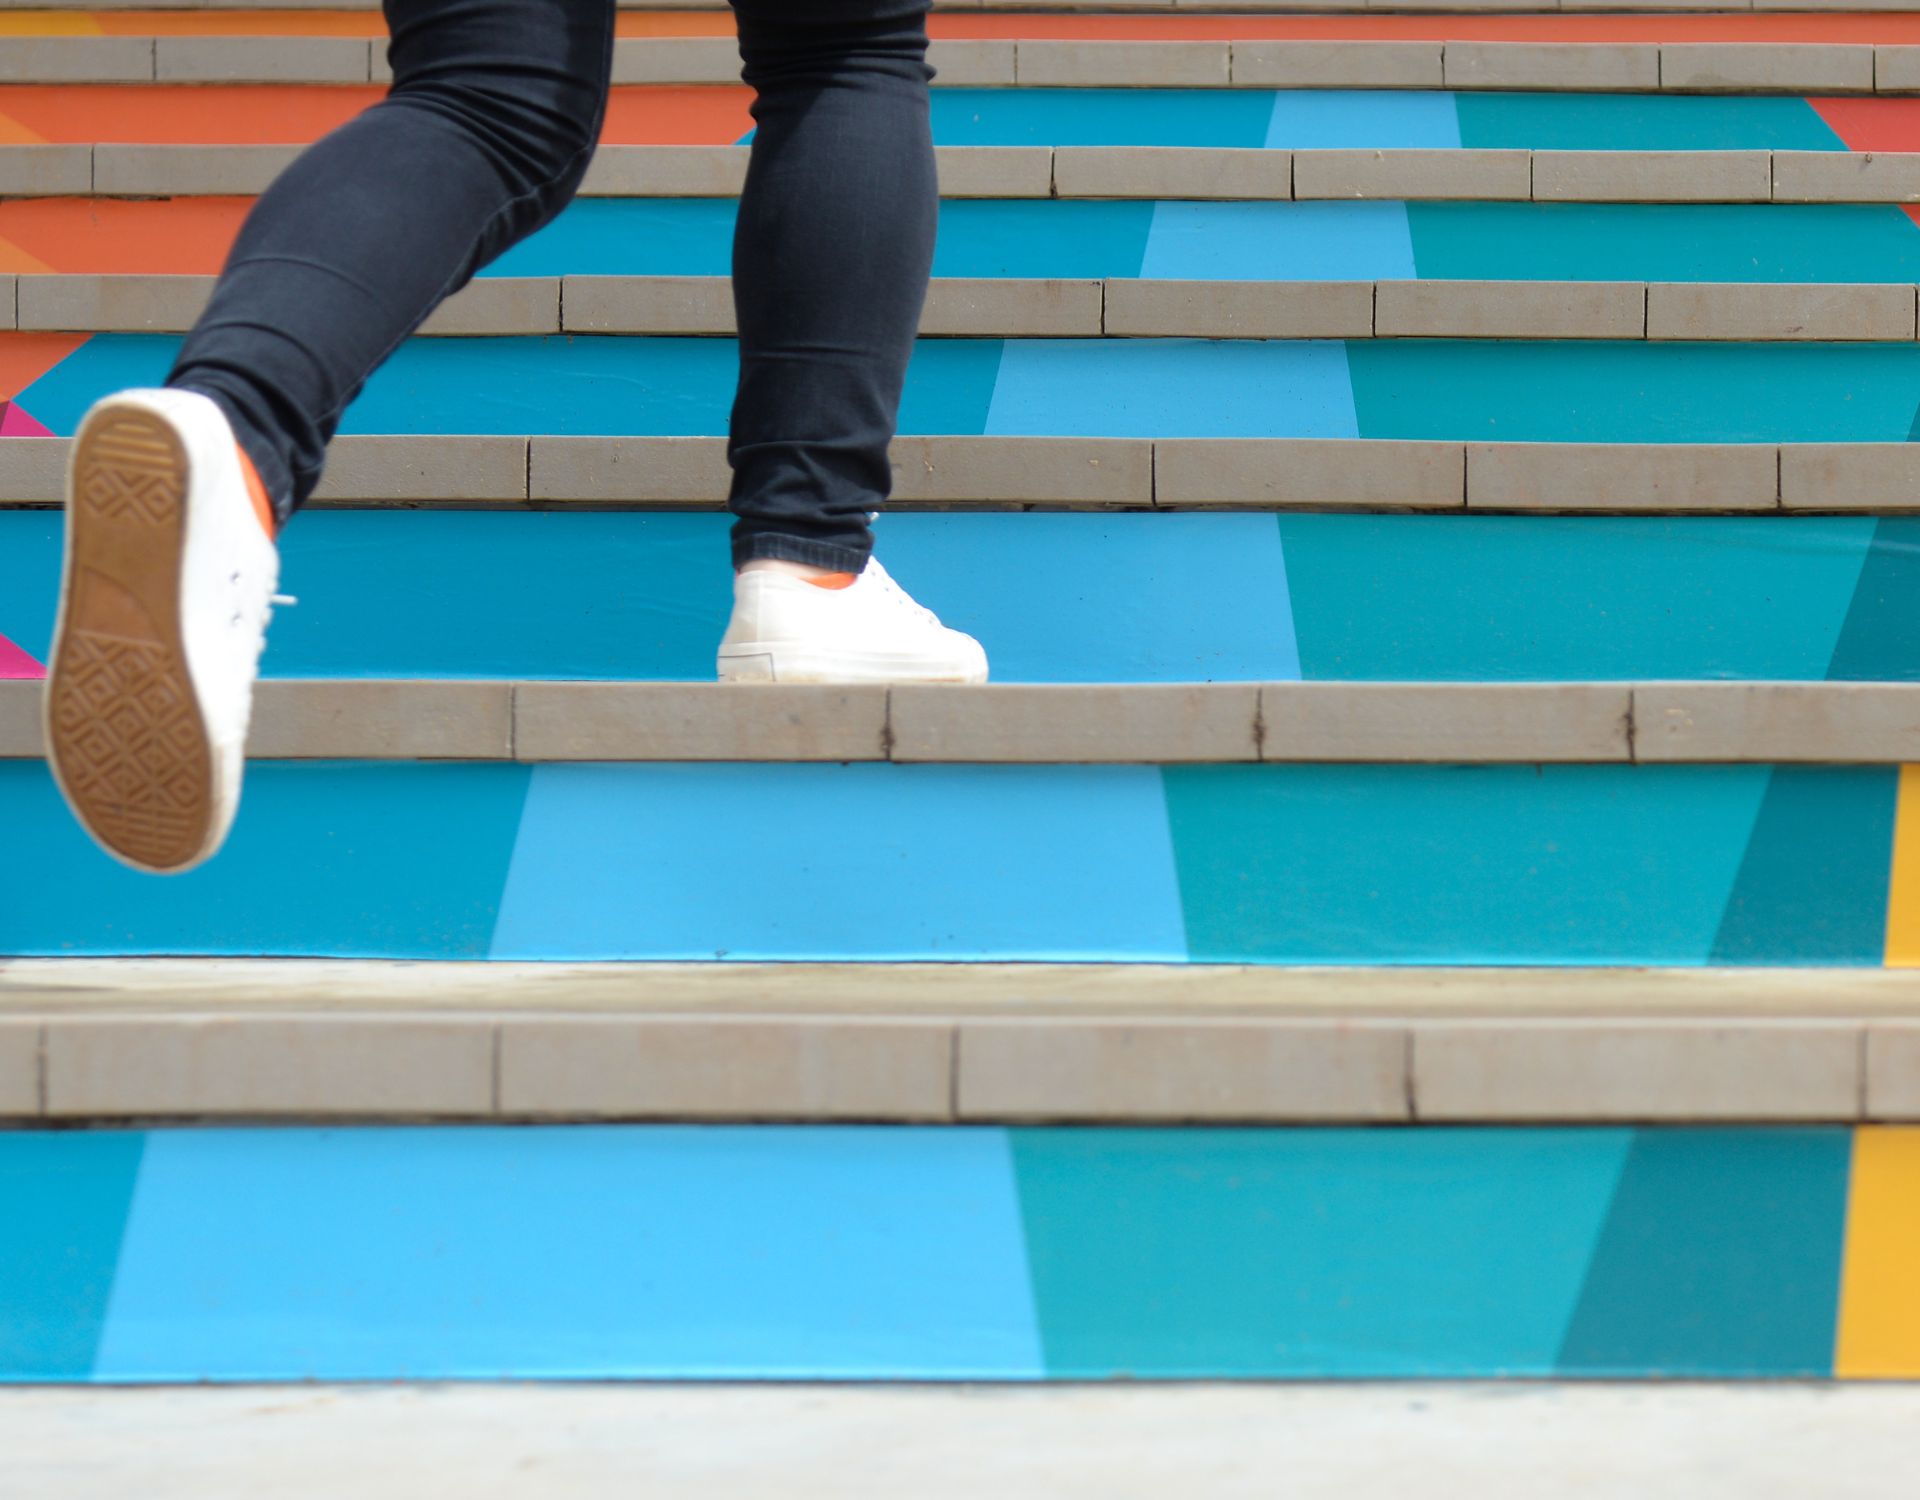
(547, 722)
(1127, 7)
(1206, 173)
(1571, 66)
(1081, 308)
(922, 1061)
(1173, 474)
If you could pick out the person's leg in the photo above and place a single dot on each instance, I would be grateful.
(173, 495)
(493, 115)
(830, 266)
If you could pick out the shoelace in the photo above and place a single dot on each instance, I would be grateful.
(883, 580)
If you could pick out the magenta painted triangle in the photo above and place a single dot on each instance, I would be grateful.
(15, 422)
(15, 664)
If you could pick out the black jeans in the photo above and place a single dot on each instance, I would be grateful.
(495, 109)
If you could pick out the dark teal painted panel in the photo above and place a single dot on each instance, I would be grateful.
(1458, 864)
(1641, 122)
(1720, 1257)
(1634, 392)
(1234, 1254)
(562, 384)
(1880, 640)
(1518, 598)
(1813, 886)
(64, 1200)
(1831, 242)
(1101, 117)
(368, 859)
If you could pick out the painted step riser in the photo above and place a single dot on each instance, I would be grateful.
(1429, 389)
(1081, 308)
(1158, 598)
(941, 1254)
(1039, 119)
(1555, 865)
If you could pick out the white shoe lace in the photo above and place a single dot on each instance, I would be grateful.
(883, 580)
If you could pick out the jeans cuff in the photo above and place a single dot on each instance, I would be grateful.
(796, 549)
(267, 462)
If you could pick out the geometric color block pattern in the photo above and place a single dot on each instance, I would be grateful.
(1158, 597)
(1285, 864)
(887, 1253)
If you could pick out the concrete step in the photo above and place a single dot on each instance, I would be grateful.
(1734, 1440)
(178, 1039)
(1082, 307)
(1746, 67)
(1174, 173)
(1766, 723)
(1018, 473)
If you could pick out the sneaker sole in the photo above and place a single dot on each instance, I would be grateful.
(753, 662)
(125, 731)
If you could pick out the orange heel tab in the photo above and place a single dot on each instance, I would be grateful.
(834, 580)
(257, 492)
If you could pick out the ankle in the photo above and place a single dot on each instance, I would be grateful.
(830, 578)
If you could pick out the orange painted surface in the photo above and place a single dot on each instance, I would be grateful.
(1880, 124)
(104, 236)
(1749, 27)
(25, 357)
(244, 115)
(166, 115)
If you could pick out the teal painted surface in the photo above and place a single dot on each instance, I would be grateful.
(1828, 242)
(30, 542)
(1518, 598)
(867, 861)
(63, 1205)
(755, 1252)
(1720, 1257)
(1456, 864)
(1641, 122)
(368, 859)
(1101, 117)
(1813, 886)
(1880, 640)
(1329, 1253)
(1634, 392)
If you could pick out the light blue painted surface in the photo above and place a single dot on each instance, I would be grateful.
(1172, 388)
(819, 861)
(1311, 1253)
(1279, 241)
(1323, 119)
(1101, 117)
(372, 859)
(105, 362)
(1064, 597)
(754, 1252)
(1596, 864)
(1517, 598)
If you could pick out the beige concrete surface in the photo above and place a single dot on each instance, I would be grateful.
(55, 987)
(1198, 1442)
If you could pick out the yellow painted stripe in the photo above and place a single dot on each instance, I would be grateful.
(48, 23)
(1903, 893)
(1879, 1337)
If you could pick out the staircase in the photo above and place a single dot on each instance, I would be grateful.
(1431, 892)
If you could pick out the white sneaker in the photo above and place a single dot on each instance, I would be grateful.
(170, 572)
(785, 629)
